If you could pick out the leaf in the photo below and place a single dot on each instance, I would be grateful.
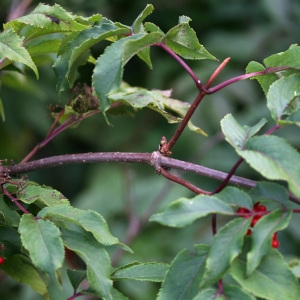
(156, 100)
(226, 246)
(234, 196)
(76, 277)
(230, 292)
(10, 239)
(137, 25)
(11, 217)
(21, 269)
(144, 272)
(90, 220)
(2, 113)
(96, 258)
(66, 66)
(183, 40)
(12, 49)
(275, 159)
(108, 71)
(271, 280)
(264, 80)
(34, 193)
(289, 58)
(44, 16)
(43, 47)
(281, 96)
(42, 239)
(184, 275)
(270, 191)
(237, 135)
(262, 234)
(184, 211)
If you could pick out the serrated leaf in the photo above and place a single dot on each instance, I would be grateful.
(264, 80)
(77, 45)
(236, 197)
(12, 218)
(226, 246)
(46, 16)
(156, 100)
(90, 220)
(270, 191)
(34, 193)
(184, 211)
(144, 272)
(281, 95)
(26, 273)
(12, 49)
(237, 135)
(108, 71)
(183, 40)
(230, 292)
(275, 159)
(137, 25)
(262, 234)
(289, 58)
(96, 258)
(42, 239)
(271, 280)
(184, 275)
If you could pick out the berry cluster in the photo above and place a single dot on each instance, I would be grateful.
(257, 208)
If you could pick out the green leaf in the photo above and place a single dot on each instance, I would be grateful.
(12, 50)
(2, 113)
(90, 220)
(43, 47)
(21, 269)
(11, 217)
(230, 292)
(271, 280)
(45, 16)
(67, 65)
(226, 246)
(264, 80)
(76, 277)
(237, 135)
(183, 40)
(282, 94)
(96, 258)
(289, 58)
(42, 239)
(108, 71)
(275, 159)
(44, 196)
(156, 100)
(184, 211)
(262, 234)
(184, 275)
(293, 119)
(145, 272)
(10, 238)
(234, 196)
(137, 25)
(270, 191)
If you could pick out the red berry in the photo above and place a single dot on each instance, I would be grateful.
(243, 210)
(254, 220)
(2, 260)
(262, 208)
(275, 244)
(256, 205)
(249, 232)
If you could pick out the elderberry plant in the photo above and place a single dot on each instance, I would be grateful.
(40, 229)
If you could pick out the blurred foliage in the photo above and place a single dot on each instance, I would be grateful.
(244, 30)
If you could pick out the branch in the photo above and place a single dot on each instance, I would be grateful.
(155, 159)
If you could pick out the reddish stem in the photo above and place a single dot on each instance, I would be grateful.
(14, 200)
